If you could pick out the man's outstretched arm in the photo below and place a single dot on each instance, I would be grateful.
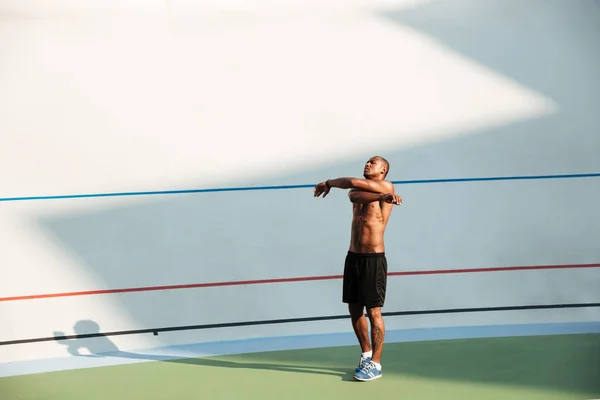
(367, 185)
(362, 184)
(363, 190)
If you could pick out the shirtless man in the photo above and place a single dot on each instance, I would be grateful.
(365, 269)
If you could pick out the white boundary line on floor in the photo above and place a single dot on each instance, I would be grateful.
(286, 343)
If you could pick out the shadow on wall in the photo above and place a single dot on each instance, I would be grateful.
(231, 236)
(537, 361)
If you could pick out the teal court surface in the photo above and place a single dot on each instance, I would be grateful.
(546, 367)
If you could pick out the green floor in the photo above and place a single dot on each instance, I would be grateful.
(521, 368)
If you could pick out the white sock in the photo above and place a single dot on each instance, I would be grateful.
(367, 354)
(377, 365)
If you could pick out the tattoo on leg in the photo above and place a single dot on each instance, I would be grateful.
(377, 338)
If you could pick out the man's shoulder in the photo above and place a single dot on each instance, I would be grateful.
(388, 184)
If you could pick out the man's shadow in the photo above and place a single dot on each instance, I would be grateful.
(89, 339)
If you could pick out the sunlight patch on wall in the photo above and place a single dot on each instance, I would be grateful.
(236, 102)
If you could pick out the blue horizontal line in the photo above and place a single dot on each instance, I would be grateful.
(282, 187)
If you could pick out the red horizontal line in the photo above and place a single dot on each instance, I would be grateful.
(170, 287)
(286, 280)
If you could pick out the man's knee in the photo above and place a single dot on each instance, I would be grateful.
(374, 313)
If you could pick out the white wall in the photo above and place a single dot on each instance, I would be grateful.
(130, 96)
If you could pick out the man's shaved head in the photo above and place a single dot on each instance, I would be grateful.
(376, 168)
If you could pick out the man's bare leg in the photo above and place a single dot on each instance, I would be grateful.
(377, 332)
(360, 326)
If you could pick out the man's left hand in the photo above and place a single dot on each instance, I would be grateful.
(392, 198)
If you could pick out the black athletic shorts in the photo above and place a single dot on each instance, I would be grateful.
(365, 279)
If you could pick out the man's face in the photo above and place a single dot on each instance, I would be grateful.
(374, 168)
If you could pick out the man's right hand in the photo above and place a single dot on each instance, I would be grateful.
(392, 198)
(321, 189)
